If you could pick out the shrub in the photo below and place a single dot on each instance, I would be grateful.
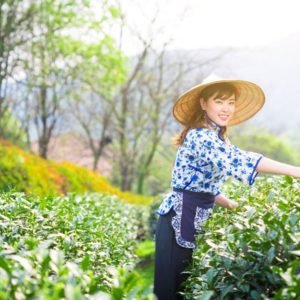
(251, 252)
(24, 172)
(65, 247)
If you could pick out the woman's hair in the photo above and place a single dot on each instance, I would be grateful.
(222, 90)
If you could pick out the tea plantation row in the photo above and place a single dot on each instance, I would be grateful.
(252, 252)
(67, 247)
(70, 247)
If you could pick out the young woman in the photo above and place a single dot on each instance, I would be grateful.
(204, 160)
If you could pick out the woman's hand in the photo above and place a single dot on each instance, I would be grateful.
(232, 204)
(225, 202)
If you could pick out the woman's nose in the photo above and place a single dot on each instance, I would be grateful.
(225, 107)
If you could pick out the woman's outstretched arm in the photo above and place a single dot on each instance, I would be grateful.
(267, 165)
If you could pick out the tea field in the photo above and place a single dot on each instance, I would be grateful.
(69, 247)
(88, 246)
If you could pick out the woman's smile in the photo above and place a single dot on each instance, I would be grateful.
(220, 110)
(224, 117)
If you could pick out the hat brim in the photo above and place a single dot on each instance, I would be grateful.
(250, 100)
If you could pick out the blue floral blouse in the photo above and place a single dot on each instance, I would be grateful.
(205, 161)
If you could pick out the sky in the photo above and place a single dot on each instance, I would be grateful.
(194, 24)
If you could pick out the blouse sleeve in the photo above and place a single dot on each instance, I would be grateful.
(242, 164)
(231, 160)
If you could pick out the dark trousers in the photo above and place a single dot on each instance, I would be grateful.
(170, 260)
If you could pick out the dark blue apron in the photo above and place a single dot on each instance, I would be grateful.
(192, 210)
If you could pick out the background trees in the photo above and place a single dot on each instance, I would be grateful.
(63, 69)
(15, 30)
(48, 48)
(263, 141)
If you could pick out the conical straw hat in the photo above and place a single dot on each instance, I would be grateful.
(250, 100)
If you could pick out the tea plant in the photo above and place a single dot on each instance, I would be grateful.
(66, 247)
(251, 252)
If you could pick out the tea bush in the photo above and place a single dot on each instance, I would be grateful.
(68, 247)
(251, 252)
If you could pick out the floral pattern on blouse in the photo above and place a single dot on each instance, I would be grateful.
(205, 161)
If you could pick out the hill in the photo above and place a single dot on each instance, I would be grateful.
(28, 173)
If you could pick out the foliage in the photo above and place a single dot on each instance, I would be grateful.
(131, 285)
(24, 172)
(145, 266)
(15, 21)
(67, 48)
(153, 216)
(68, 247)
(291, 137)
(12, 130)
(262, 141)
(253, 251)
(158, 180)
(145, 249)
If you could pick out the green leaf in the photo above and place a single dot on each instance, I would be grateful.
(271, 254)
(211, 243)
(227, 290)
(5, 266)
(295, 252)
(115, 12)
(250, 212)
(146, 248)
(25, 263)
(255, 295)
(287, 276)
(206, 295)
(211, 274)
(117, 293)
(288, 179)
(85, 263)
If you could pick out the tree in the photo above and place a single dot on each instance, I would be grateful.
(16, 22)
(142, 107)
(98, 69)
(55, 59)
(12, 130)
(95, 82)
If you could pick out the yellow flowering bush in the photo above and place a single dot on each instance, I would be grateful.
(29, 173)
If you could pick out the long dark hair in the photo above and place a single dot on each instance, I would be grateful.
(198, 119)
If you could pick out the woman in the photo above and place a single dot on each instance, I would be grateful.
(204, 160)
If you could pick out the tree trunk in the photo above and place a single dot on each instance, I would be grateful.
(43, 148)
(141, 181)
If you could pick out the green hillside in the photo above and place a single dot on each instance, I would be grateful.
(24, 172)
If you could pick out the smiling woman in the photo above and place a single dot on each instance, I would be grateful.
(219, 106)
(205, 160)
(238, 100)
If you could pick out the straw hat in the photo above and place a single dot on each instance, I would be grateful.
(250, 100)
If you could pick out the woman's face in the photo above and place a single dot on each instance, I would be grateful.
(219, 110)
